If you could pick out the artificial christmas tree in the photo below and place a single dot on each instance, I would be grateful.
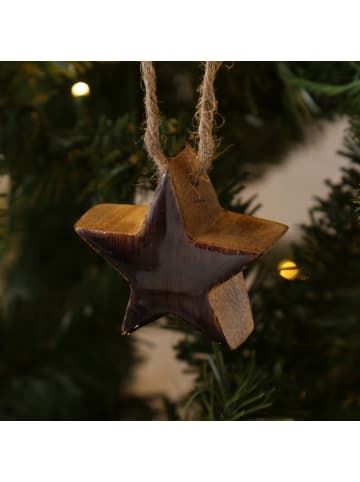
(61, 354)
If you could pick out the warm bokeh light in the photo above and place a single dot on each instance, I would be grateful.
(288, 269)
(80, 89)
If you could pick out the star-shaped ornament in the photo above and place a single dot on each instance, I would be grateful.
(183, 255)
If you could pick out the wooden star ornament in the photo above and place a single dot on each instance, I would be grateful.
(183, 255)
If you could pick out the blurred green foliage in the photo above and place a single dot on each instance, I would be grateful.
(61, 353)
(306, 339)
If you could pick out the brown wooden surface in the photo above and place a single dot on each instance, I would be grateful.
(230, 305)
(208, 223)
(114, 218)
(182, 254)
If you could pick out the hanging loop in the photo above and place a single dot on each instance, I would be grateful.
(204, 117)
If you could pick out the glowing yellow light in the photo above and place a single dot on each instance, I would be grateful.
(288, 269)
(80, 89)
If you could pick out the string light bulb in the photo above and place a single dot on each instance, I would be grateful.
(80, 89)
(288, 269)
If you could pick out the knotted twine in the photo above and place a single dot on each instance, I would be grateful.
(204, 118)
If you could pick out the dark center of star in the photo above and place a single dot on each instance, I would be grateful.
(167, 260)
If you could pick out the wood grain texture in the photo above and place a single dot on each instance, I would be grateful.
(208, 223)
(230, 305)
(183, 255)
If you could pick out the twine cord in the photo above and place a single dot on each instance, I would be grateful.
(204, 117)
(152, 130)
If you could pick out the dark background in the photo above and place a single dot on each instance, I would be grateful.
(61, 351)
